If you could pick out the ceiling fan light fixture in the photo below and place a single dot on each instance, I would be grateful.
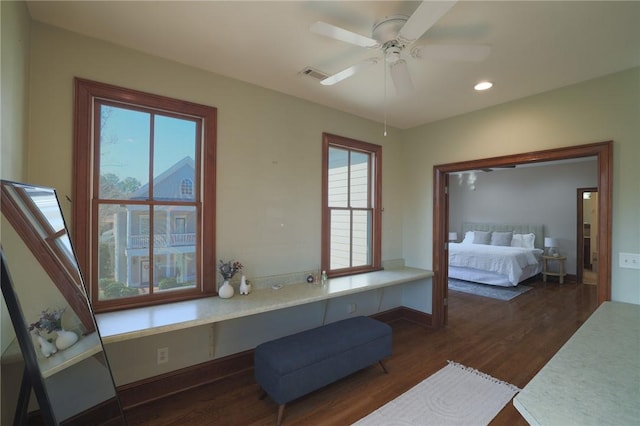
(483, 85)
(392, 54)
(401, 77)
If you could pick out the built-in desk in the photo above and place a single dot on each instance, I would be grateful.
(135, 323)
(594, 379)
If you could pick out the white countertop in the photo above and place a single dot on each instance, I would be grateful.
(85, 347)
(594, 379)
(134, 323)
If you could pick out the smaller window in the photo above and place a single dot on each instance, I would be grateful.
(351, 201)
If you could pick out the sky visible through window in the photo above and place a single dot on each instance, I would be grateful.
(125, 142)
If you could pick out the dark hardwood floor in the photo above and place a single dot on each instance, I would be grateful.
(508, 340)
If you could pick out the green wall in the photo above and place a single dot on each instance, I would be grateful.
(607, 108)
(15, 25)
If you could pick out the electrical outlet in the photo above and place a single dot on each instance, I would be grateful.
(352, 308)
(630, 260)
(163, 355)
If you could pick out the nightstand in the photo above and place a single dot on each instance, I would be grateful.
(545, 269)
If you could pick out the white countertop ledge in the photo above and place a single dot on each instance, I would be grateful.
(594, 379)
(140, 322)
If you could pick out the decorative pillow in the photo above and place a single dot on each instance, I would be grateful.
(501, 238)
(468, 238)
(481, 237)
(524, 240)
(529, 241)
(516, 241)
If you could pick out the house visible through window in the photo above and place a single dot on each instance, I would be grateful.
(145, 223)
(351, 204)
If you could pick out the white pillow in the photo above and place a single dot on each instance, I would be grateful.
(516, 240)
(523, 240)
(468, 238)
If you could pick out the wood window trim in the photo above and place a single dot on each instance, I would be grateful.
(376, 178)
(84, 94)
(603, 151)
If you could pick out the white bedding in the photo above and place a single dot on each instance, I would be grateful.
(514, 263)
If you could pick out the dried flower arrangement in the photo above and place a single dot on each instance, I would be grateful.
(229, 269)
(49, 321)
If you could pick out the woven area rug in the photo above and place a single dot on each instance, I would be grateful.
(485, 290)
(455, 395)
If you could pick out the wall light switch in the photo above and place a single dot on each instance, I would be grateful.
(630, 260)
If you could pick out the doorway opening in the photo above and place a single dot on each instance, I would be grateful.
(603, 151)
(587, 236)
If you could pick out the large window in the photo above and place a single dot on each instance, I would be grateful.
(351, 219)
(144, 196)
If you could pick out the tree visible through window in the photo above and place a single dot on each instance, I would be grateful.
(150, 157)
(351, 205)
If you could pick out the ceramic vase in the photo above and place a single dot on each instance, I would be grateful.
(244, 287)
(226, 291)
(47, 348)
(65, 339)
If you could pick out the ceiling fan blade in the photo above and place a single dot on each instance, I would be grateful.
(401, 77)
(510, 166)
(425, 16)
(338, 77)
(341, 34)
(452, 52)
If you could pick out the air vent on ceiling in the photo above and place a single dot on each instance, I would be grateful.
(311, 72)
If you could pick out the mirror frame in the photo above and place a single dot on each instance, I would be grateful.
(31, 377)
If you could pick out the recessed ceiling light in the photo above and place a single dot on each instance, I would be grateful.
(483, 85)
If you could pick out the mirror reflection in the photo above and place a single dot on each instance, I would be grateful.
(51, 304)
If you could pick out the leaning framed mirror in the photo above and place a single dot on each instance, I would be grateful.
(64, 359)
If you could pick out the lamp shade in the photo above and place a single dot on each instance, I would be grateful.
(453, 236)
(550, 242)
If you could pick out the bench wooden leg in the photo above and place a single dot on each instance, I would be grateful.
(280, 414)
(384, 368)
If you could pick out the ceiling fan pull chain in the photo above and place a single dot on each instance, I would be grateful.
(384, 98)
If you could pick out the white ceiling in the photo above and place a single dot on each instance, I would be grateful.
(536, 46)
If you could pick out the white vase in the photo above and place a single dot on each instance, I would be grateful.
(244, 287)
(46, 347)
(226, 291)
(65, 339)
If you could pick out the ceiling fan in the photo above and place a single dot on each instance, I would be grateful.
(488, 170)
(395, 36)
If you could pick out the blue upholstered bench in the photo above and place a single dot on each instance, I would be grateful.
(292, 366)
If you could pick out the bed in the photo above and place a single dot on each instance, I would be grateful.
(497, 254)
